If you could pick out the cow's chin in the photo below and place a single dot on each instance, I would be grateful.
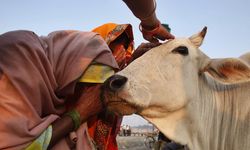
(122, 107)
(119, 105)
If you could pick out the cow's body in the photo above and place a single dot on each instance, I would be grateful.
(194, 100)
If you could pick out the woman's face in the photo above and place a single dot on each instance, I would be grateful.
(119, 47)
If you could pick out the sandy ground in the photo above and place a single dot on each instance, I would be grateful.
(135, 143)
(131, 143)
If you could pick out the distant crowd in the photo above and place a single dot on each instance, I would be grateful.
(125, 130)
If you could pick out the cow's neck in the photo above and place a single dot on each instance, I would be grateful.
(174, 126)
(222, 115)
(218, 119)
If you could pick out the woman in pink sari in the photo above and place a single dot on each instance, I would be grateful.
(38, 75)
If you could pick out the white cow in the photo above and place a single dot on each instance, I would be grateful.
(194, 100)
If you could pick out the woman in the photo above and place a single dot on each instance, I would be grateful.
(38, 76)
(104, 127)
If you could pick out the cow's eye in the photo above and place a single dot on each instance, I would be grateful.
(183, 50)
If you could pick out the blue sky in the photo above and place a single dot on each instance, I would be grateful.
(228, 21)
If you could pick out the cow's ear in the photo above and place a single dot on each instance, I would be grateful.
(197, 39)
(229, 70)
(245, 57)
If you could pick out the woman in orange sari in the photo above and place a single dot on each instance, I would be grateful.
(104, 127)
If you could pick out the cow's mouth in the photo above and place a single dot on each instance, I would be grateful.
(120, 106)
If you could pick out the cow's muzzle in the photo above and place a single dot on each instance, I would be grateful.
(115, 83)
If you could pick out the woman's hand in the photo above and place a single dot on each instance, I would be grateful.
(89, 103)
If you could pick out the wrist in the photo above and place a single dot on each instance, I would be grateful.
(76, 118)
(150, 30)
(150, 23)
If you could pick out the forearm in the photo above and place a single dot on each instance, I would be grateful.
(145, 11)
(87, 104)
(60, 129)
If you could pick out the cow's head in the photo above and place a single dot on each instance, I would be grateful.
(158, 80)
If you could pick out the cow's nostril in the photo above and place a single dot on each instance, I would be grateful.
(116, 82)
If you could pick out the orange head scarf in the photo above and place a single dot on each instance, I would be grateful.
(113, 33)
